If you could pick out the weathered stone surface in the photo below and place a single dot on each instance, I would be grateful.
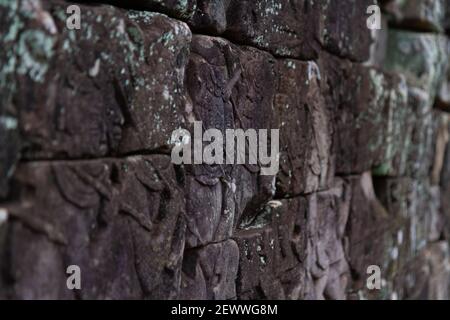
(444, 178)
(419, 148)
(9, 129)
(370, 118)
(382, 123)
(86, 116)
(422, 15)
(378, 48)
(327, 267)
(272, 252)
(217, 76)
(305, 123)
(276, 26)
(295, 29)
(441, 137)
(443, 95)
(210, 272)
(207, 218)
(9, 153)
(120, 221)
(91, 92)
(401, 220)
(417, 201)
(421, 57)
(343, 28)
(211, 16)
(427, 276)
(296, 249)
(182, 9)
(447, 17)
(376, 235)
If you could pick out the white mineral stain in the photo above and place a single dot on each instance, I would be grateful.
(9, 123)
(121, 26)
(313, 71)
(233, 187)
(394, 253)
(166, 94)
(3, 216)
(400, 237)
(275, 203)
(93, 72)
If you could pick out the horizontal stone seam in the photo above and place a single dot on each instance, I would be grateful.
(202, 246)
(399, 27)
(93, 159)
(222, 36)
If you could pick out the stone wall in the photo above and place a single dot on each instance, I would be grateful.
(86, 177)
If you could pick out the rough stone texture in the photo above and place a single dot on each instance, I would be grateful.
(302, 114)
(328, 270)
(422, 58)
(90, 93)
(371, 119)
(182, 9)
(290, 28)
(228, 87)
(272, 253)
(443, 95)
(427, 275)
(210, 272)
(121, 221)
(447, 18)
(442, 173)
(404, 217)
(425, 15)
(86, 178)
